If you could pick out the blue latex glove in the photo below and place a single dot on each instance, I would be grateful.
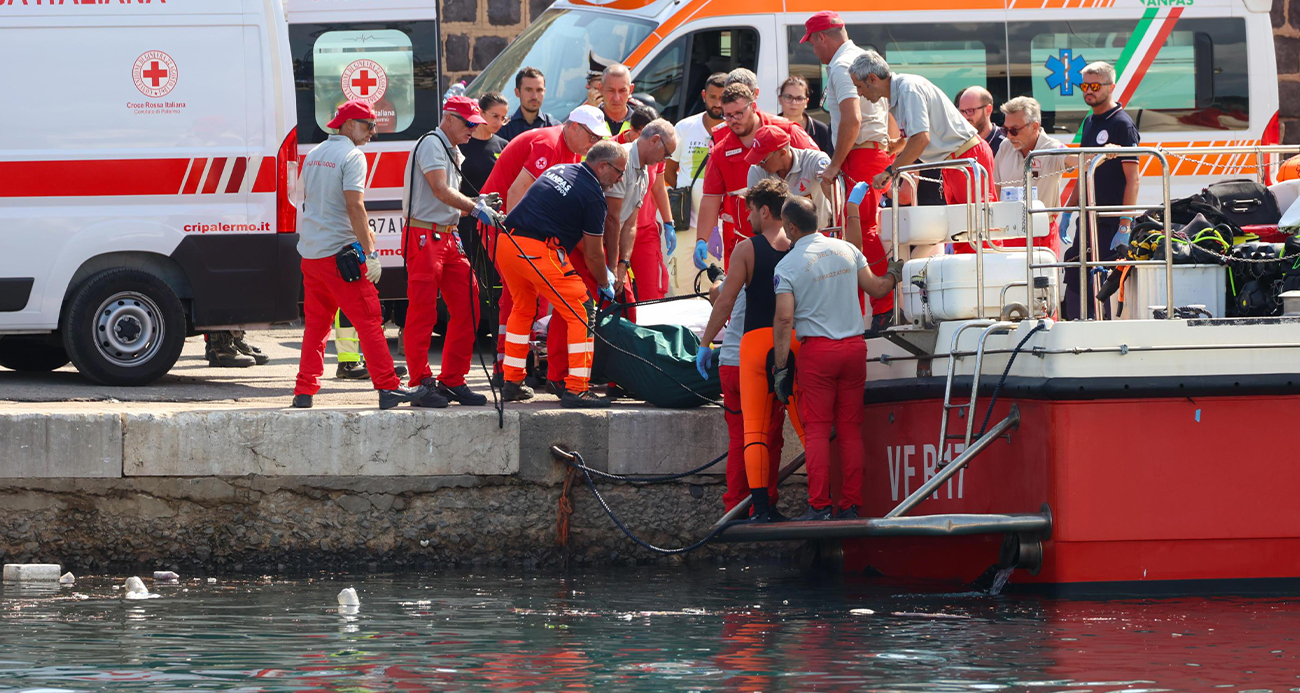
(670, 237)
(606, 292)
(701, 255)
(703, 358)
(859, 192)
(1064, 227)
(486, 214)
(1121, 238)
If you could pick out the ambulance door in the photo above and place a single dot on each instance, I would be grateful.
(676, 74)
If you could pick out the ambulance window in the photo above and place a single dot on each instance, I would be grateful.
(968, 55)
(717, 50)
(662, 77)
(392, 66)
(1196, 79)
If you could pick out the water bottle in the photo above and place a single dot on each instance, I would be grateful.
(457, 89)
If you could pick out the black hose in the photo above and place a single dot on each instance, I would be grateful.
(1005, 371)
(577, 463)
(648, 480)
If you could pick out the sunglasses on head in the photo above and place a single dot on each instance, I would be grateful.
(1089, 87)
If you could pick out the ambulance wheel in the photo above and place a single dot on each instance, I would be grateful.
(32, 354)
(124, 327)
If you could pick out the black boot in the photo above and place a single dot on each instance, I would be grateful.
(302, 401)
(247, 349)
(515, 392)
(763, 511)
(221, 352)
(352, 370)
(391, 398)
(461, 394)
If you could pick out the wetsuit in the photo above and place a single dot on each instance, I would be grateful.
(757, 402)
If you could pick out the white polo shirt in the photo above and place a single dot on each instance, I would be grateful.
(1009, 168)
(822, 273)
(632, 187)
(330, 168)
(919, 106)
(432, 156)
(804, 179)
(693, 143)
(839, 88)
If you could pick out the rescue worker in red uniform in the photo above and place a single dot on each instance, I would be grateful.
(334, 274)
(755, 261)
(931, 127)
(523, 161)
(862, 131)
(565, 204)
(435, 259)
(816, 290)
(726, 173)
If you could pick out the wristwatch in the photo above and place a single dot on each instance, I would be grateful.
(624, 262)
(889, 169)
(374, 255)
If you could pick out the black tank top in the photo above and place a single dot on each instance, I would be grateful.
(760, 294)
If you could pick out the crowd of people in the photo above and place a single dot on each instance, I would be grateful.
(574, 213)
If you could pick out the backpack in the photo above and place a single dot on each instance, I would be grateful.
(1234, 203)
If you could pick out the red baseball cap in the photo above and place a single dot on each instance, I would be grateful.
(355, 109)
(820, 22)
(768, 139)
(466, 108)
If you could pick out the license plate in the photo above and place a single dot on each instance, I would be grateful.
(387, 227)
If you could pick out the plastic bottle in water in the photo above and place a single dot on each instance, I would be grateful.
(457, 89)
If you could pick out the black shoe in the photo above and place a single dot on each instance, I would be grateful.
(849, 513)
(351, 370)
(556, 387)
(461, 394)
(582, 400)
(431, 400)
(815, 514)
(391, 398)
(399, 370)
(516, 392)
(614, 392)
(762, 509)
(221, 352)
(302, 401)
(249, 350)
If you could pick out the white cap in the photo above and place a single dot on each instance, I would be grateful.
(592, 117)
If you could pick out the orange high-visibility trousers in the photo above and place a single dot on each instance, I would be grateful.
(757, 403)
(532, 268)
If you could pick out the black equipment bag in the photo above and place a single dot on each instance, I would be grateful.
(1243, 202)
(679, 199)
(350, 263)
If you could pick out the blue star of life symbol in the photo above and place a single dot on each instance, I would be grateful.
(1065, 71)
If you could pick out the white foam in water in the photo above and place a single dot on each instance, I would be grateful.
(135, 589)
(348, 597)
(67, 579)
(32, 572)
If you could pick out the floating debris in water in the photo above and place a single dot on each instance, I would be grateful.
(862, 612)
(165, 576)
(135, 589)
(67, 578)
(917, 614)
(212, 581)
(348, 597)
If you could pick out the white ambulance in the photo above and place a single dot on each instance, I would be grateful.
(385, 52)
(1191, 72)
(145, 179)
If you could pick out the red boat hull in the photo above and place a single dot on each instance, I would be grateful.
(1154, 489)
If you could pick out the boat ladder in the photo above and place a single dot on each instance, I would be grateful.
(990, 327)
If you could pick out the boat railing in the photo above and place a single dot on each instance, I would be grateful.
(1089, 212)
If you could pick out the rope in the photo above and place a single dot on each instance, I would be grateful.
(1005, 371)
(577, 463)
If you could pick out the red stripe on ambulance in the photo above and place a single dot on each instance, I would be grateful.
(92, 178)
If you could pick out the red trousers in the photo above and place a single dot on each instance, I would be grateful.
(433, 267)
(733, 232)
(956, 181)
(648, 264)
(831, 375)
(557, 334)
(324, 293)
(737, 479)
(533, 268)
(863, 165)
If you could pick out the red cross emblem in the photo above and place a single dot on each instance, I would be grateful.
(154, 74)
(364, 80)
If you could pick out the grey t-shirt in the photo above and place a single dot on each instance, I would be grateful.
(632, 187)
(432, 156)
(822, 273)
(919, 106)
(840, 88)
(330, 168)
(804, 179)
(729, 352)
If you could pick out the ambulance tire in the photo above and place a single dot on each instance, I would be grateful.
(32, 354)
(123, 327)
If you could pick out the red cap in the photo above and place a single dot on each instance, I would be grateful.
(768, 139)
(820, 22)
(466, 108)
(355, 109)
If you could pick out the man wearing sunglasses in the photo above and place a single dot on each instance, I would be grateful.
(334, 222)
(1024, 131)
(1116, 181)
(435, 259)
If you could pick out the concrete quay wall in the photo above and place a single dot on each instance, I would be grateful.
(258, 490)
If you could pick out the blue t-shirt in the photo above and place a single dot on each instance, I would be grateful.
(1112, 127)
(564, 203)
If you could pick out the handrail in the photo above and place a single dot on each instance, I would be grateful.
(927, 489)
(977, 219)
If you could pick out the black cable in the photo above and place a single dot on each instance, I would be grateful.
(591, 484)
(649, 480)
(989, 412)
